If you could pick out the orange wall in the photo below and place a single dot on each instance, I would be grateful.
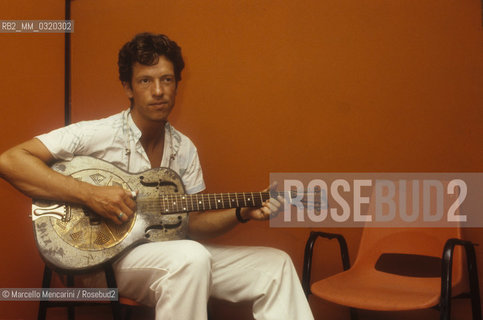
(31, 99)
(270, 86)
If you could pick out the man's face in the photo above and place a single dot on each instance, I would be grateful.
(153, 90)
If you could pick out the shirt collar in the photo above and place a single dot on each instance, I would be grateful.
(133, 127)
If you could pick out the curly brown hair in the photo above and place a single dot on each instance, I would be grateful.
(146, 48)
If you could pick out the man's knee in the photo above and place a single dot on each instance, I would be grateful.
(276, 256)
(195, 255)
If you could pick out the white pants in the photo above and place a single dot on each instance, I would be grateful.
(178, 277)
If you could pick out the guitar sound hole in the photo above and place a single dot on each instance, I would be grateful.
(94, 219)
(157, 184)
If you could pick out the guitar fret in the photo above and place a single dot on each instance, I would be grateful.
(267, 196)
(222, 202)
(232, 201)
(248, 199)
(171, 202)
(166, 207)
(219, 201)
(211, 201)
(226, 200)
(184, 203)
(193, 202)
(174, 203)
(257, 198)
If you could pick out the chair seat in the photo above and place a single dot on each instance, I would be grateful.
(129, 302)
(375, 290)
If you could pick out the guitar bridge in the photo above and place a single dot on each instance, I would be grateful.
(59, 211)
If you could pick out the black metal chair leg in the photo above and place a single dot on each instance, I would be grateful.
(111, 283)
(354, 315)
(71, 313)
(43, 305)
(70, 308)
(473, 279)
(309, 248)
(446, 278)
(127, 314)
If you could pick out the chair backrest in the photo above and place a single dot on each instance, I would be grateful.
(410, 244)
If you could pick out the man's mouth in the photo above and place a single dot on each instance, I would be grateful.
(158, 104)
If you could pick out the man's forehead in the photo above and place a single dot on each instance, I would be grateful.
(163, 66)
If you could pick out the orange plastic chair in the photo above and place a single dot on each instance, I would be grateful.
(399, 269)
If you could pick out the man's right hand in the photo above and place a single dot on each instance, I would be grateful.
(111, 202)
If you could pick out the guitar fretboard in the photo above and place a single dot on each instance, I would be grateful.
(175, 203)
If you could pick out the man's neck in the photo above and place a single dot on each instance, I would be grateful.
(151, 130)
(152, 138)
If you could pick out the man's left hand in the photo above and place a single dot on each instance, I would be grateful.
(270, 208)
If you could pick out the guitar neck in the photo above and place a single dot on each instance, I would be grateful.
(175, 203)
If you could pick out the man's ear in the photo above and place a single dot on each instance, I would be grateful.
(128, 89)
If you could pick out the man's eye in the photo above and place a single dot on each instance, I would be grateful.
(144, 80)
(168, 79)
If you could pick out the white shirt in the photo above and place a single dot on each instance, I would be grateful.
(116, 139)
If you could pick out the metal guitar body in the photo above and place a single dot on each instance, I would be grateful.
(72, 237)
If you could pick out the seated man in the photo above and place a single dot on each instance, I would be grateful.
(176, 277)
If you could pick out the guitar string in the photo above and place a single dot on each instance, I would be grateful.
(182, 203)
(225, 197)
(209, 198)
(176, 203)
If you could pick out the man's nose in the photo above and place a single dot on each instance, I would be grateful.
(158, 89)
